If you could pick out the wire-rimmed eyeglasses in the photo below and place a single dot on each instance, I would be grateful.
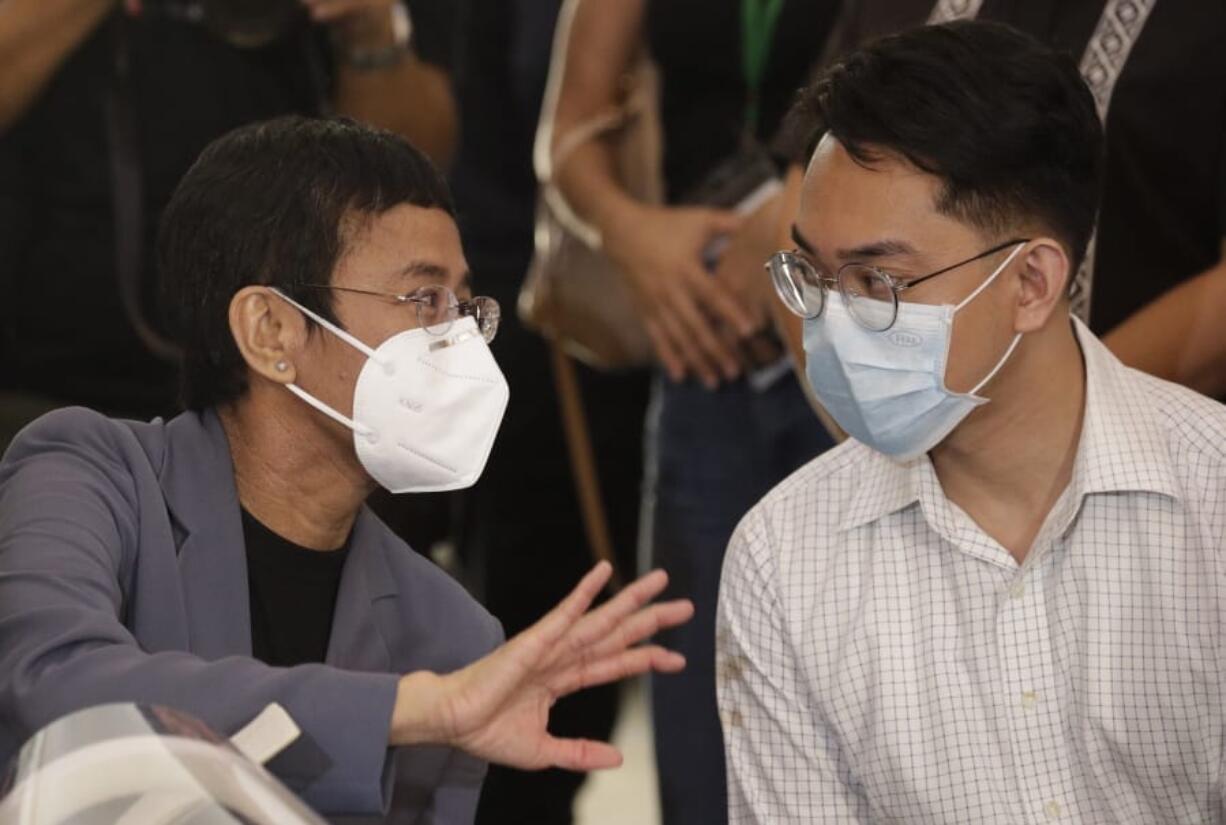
(437, 307)
(870, 294)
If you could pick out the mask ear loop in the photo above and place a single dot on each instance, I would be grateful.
(988, 281)
(366, 432)
(326, 324)
(1017, 339)
(361, 430)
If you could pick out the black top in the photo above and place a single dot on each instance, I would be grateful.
(292, 590)
(1163, 212)
(501, 66)
(697, 46)
(65, 334)
(63, 330)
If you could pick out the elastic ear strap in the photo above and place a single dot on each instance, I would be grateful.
(991, 277)
(326, 410)
(1017, 339)
(328, 325)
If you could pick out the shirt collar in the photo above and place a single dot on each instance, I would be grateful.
(1121, 448)
(886, 486)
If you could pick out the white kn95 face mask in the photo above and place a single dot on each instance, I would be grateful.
(426, 408)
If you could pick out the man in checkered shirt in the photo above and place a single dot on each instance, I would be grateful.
(1000, 601)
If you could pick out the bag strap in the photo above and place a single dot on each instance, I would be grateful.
(128, 196)
(548, 158)
(583, 462)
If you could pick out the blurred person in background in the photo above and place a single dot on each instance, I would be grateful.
(521, 536)
(1157, 274)
(104, 105)
(729, 418)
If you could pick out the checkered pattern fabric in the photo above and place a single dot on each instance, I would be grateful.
(882, 659)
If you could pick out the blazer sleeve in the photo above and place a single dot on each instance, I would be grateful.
(456, 797)
(68, 538)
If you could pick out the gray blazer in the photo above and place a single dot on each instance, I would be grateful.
(123, 578)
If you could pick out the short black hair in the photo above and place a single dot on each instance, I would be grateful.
(270, 204)
(1006, 123)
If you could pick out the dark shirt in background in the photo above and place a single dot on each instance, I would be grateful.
(64, 334)
(702, 99)
(501, 65)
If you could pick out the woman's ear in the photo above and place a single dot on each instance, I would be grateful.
(268, 332)
(1044, 270)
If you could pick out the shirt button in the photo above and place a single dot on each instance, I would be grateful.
(1017, 591)
(1029, 699)
(1052, 809)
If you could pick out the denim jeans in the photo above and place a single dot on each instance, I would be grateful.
(712, 455)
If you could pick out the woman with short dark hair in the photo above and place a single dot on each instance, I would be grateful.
(225, 559)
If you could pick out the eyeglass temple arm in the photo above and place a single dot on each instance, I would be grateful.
(899, 287)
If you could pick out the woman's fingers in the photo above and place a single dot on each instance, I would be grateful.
(597, 624)
(678, 332)
(715, 353)
(724, 304)
(670, 357)
(643, 625)
(543, 637)
(581, 754)
(633, 662)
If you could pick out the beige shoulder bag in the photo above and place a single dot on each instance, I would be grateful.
(573, 294)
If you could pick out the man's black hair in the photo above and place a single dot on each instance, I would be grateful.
(273, 204)
(1006, 123)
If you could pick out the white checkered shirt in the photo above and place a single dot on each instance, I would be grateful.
(881, 659)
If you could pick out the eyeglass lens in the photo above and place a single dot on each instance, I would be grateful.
(437, 308)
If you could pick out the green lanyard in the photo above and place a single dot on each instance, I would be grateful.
(758, 21)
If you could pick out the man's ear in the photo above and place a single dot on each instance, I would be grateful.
(1043, 271)
(268, 331)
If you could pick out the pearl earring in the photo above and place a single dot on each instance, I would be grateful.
(282, 366)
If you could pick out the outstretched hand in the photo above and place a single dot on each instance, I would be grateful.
(498, 707)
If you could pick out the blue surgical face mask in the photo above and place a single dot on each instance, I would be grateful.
(887, 389)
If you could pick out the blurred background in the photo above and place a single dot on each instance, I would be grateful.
(651, 408)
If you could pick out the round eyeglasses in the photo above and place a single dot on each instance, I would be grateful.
(869, 294)
(437, 308)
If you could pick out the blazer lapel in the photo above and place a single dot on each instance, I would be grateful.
(361, 639)
(198, 482)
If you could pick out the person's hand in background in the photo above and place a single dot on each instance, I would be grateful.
(366, 24)
(36, 36)
(661, 250)
(398, 90)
